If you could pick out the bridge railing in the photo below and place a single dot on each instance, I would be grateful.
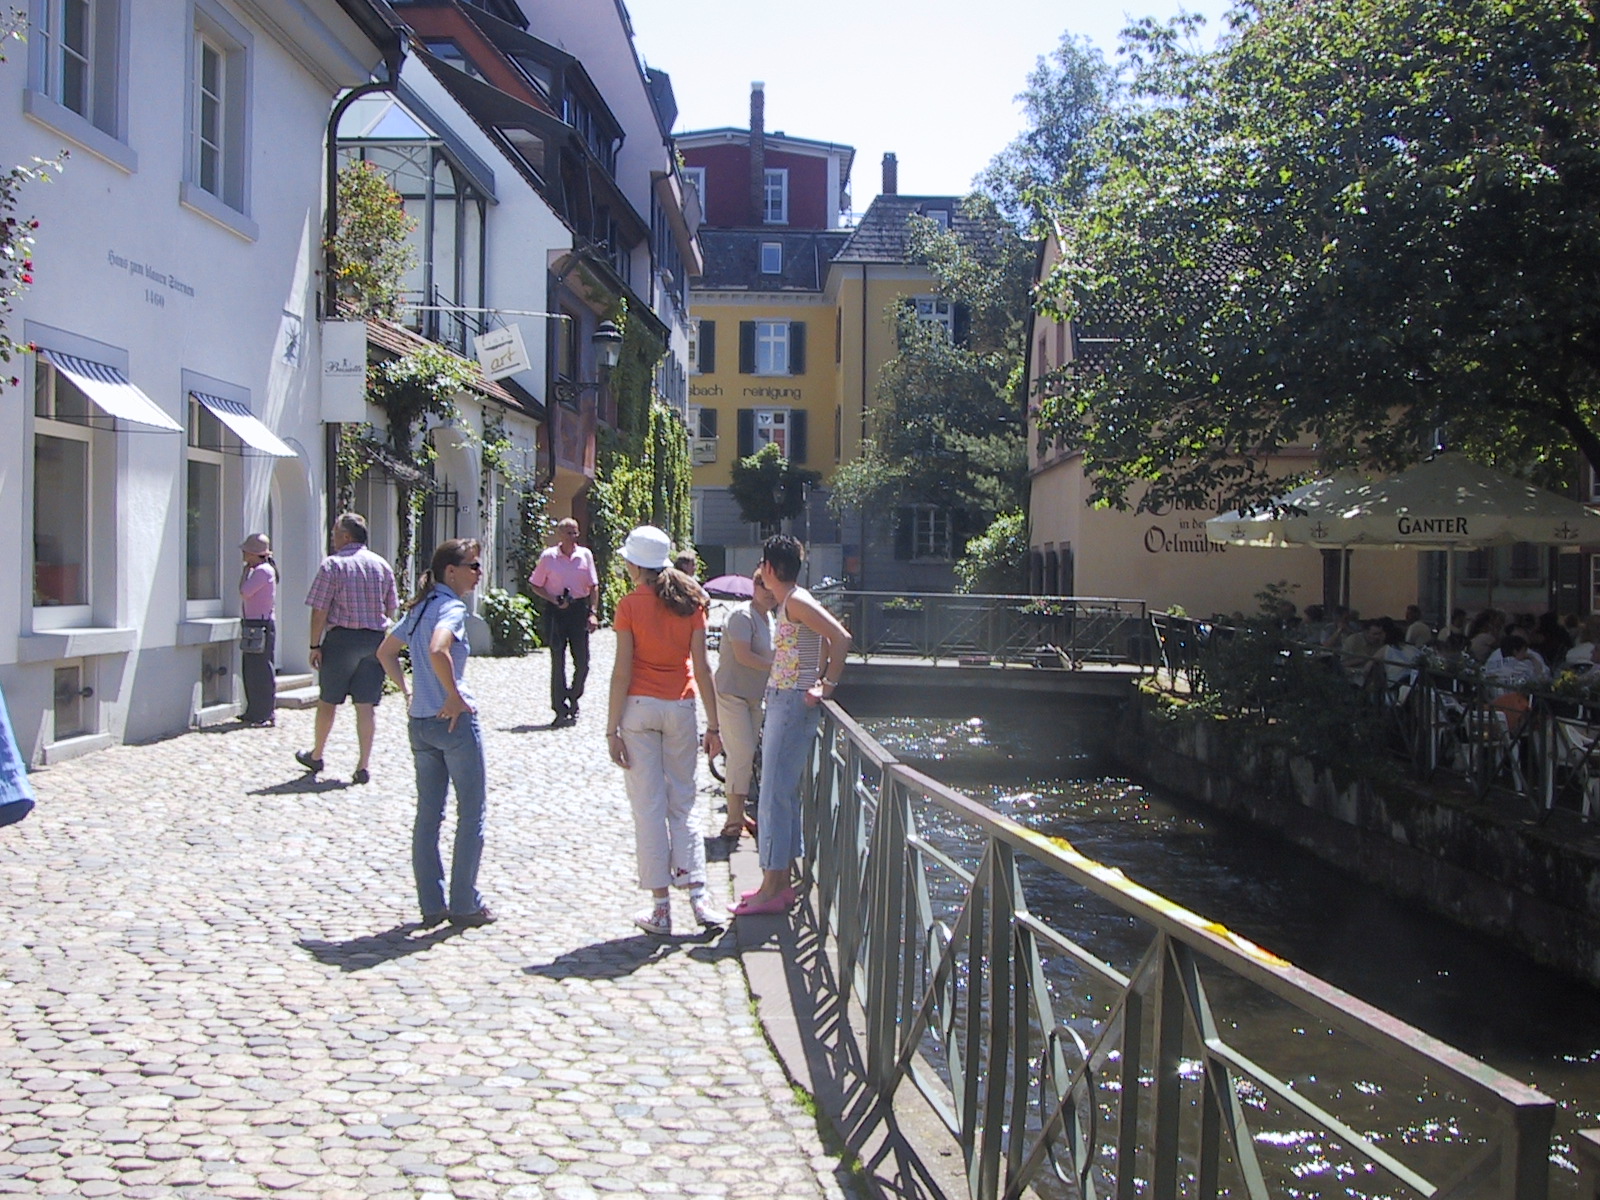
(1062, 630)
(1157, 1080)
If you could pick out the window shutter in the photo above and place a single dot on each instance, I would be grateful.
(961, 328)
(747, 432)
(797, 347)
(708, 422)
(708, 347)
(747, 347)
(904, 519)
(797, 435)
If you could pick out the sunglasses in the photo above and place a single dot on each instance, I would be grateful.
(472, 566)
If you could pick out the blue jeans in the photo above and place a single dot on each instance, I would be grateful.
(444, 758)
(787, 737)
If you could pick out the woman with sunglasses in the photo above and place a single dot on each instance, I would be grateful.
(445, 738)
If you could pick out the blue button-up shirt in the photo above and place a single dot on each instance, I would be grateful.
(442, 607)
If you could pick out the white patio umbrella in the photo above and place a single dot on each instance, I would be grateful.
(1448, 503)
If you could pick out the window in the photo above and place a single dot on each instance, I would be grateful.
(63, 455)
(775, 208)
(702, 347)
(772, 258)
(939, 216)
(203, 507)
(447, 51)
(922, 532)
(702, 422)
(771, 348)
(695, 177)
(218, 118)
(77, 71)
(935, 310)
(783, 427)
(772, 428)
(1527, 562)
(1475, 565)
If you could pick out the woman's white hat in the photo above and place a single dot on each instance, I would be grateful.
(648, 547)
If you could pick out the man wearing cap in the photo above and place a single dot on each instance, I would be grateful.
(352, 601)
(566, 578)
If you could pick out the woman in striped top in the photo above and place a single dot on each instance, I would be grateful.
(808, 650)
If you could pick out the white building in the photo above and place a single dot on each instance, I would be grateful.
(174, 404)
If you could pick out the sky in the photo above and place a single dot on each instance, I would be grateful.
(934, 82)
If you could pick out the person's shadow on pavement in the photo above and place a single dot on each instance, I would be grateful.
(617, 958)
(373, 949)
(301, 785)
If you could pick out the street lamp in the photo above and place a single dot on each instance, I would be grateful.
(607, 343)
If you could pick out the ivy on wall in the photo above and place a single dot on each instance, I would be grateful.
(643, 472)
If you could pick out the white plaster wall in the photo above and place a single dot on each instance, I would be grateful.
(99, 221)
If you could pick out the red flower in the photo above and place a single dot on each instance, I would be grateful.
(26, 278)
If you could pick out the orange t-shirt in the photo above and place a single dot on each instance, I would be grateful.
(661, 641)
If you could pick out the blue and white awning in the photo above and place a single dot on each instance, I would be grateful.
(243, 422)
(110, 391)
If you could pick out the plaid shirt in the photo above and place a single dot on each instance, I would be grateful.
(355, 588)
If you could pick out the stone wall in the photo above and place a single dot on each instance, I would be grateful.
(1493, 866)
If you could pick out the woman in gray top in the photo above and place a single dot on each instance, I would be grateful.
(742, 666)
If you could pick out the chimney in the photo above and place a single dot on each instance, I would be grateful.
(891, 176)
(758, 152)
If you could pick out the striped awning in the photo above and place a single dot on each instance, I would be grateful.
(110, 391)
(242, 421)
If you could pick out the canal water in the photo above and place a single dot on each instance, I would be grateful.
(1050, 769)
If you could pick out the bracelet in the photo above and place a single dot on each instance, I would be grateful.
(316, 647)
(710, 731)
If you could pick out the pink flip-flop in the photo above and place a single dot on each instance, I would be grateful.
(772, 906)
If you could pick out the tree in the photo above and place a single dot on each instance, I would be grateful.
(996, 561)
(948, 423)
(1362, 223)
(769, 488)
(370, 255)
(16, 233)
(1048, 166)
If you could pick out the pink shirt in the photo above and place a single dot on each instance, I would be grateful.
(573, 572)
(258, 591)
(355, 588)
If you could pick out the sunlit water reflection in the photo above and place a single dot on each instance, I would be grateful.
(1052, 773)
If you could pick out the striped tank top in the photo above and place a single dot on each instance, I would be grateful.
(796, 652)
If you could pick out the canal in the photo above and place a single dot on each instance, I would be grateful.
(1050, 768)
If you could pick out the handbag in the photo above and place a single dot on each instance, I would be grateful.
(253, 637)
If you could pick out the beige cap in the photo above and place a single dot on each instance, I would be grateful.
(256, 543)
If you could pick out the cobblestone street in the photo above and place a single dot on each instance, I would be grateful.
(212, 984)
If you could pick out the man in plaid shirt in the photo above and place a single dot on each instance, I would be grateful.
(352, 601)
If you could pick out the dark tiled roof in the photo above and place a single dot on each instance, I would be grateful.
(733, 259)
(884, 231)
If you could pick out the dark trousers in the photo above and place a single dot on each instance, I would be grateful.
(564, 628)
(260, 680)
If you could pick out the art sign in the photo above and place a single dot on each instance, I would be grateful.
(501, 352)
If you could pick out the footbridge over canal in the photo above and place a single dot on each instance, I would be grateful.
(1172, 1057)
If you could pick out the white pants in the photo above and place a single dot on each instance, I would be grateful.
(662, 740)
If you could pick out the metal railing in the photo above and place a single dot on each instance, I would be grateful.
(1060, 630)
(1148, 1084)
(1537, 744)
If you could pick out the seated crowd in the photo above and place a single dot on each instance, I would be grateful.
(1517, 651)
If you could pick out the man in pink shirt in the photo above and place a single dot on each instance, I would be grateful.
(565, 577)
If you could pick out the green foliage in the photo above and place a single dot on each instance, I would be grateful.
(769, 488)
(513, 622)
(410, 390)
(370, 255)
(1050, 164)
(1356, 222)
(641, 480)
(948, 421)
(996, 561)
